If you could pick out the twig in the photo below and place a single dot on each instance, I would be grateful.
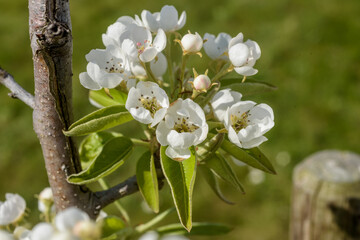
(128, 187)
(121, 190)
(16, 90)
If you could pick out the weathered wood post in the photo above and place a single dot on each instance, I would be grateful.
(326, 197)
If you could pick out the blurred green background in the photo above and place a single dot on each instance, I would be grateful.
(310, 50)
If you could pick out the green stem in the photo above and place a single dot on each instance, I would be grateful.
(169, 62)
(224, 70)
(139, 142)
(117, 203)
(146, 226)
(182, 73)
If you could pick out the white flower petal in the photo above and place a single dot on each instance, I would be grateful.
(66, 220)
(168, 18)
(87, 82)
(149, 21)
(6, 236)
(161, 133)
(180, 140)
(152, 235)
(246, 71)
(149, 54)
(254, 142)
(222, 100)
(178, 154)
(64, 236)
(238, 39)
(159, 66)
(12, 209)
(238, 54)
(130, 49)
(160, 40)
(42, 231)
(256, 48)
(159, 115)
(233, 137)
(141, 114)
(182, 21)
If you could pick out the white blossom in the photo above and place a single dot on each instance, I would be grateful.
(105, 70)
(184, 126)
(147, 103)
(167, 19)
(216, 48)
(158, 66)
(64, 236)
(191, 43)
(243, 55)
(22, 233)
(12, 209)
(42, 231)
(67, 219)
(134, 41)
(87, 229)
(6, 236)
(46, 199)
(222, 100)
(246, 123)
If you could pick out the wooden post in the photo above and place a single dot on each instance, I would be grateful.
(326, 197)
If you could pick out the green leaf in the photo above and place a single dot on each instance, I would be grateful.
(101, 98)
(213, 182)
(247, 88)
(111, 225)
(181, 179)
(252, 157)
(147, 180)
(99, 120)
(212, 143)
(93, 144)
(223, 170)
(111, 157)
(202, 229)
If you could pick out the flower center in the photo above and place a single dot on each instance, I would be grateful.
(182, 125)
(113, 66)
(240, 122)
(150, 103)
(141, 46)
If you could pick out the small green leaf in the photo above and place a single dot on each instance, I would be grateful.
(181, 179)
(247, 88)
(147, 180)
(213, 182)
(101, 98)
(111, 225)
(223, 170)
(92, 145)
(111, 157)
(202, 229)
(252, 157)
(212, 143)
(99, 120)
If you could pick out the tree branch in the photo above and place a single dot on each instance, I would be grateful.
(16, 90)
(126, 188)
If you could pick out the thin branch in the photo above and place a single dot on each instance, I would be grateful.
(121, 190)
(16, 90)
(128, 187)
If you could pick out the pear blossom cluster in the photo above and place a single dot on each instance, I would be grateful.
(173, 103)
(69, 224)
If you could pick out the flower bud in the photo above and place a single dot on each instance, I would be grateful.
(202, 82)
(46, 200)
(192, 43)
(87, 230)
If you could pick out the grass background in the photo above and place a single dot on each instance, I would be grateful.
(310, 50)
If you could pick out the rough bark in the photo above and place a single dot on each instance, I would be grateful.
(326, 197)
(51, 43)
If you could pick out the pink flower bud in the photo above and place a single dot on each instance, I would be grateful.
(202, 82)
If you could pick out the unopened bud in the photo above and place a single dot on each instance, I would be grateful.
(87, 230)
(192, 43)
(202, 82)
(46, 200)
